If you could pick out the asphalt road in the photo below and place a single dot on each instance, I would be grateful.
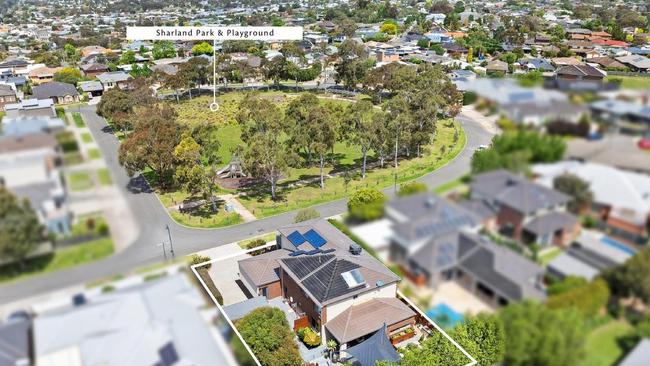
(151, 217)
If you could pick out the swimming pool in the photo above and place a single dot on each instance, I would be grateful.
(617, 245)
(444, 316)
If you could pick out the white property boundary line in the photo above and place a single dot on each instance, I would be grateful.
(472, 362)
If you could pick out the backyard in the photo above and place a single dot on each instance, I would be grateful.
(603, 343)
(300, 187)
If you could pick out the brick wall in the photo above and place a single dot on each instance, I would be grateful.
(294, 291)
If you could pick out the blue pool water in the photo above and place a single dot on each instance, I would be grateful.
(618, 245)
(444, 316)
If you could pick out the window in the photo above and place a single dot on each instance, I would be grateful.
(264, 291)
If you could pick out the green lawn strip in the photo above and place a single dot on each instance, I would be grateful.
(72, 158)
(86, 137)
(261, 205)
(549, 255)
(94, 154)
(602, 347)
(266, 237)
(632, 82)
(79, 181)
(78, 120)
(60, 112)
(206, 219)
(449, 186)
(87, 224)
(60, 259)
(104, 177)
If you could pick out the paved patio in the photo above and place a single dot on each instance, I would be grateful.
(458, 298)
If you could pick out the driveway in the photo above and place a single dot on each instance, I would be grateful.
(615, 150)
(151, 218)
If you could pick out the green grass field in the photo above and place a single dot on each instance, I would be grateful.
(344, 158)
(104, 177)
(602, 348)
(86, 137)
(440, 153)
(61, 259)
(79, 181)
(78, 120)
(632, 82)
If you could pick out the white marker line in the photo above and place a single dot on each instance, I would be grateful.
(214, 106)
(472, 362)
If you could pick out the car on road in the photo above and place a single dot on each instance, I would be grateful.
(482, 147)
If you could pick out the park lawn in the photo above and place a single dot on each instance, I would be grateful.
(78, 120)
(602, 348)
(632, 82)
(94, 154)
(79, 181)
(261, 204)
(63, 258)
(86, 137)
(104, 177)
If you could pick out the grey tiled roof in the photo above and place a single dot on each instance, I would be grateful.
(501, 268)
(515, 192)
(14, 343)
(53, 89)
(550, 222)
(479, 208)
(427, 215)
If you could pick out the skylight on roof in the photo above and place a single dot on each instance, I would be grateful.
(353, 278)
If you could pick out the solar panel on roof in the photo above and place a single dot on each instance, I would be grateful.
(296, 238)
(296, 253)
(314, 238)
(312, 252)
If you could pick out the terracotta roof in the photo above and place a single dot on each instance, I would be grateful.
(27, 142)
(365, 318)
(264, 268)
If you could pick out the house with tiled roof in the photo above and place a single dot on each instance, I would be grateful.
(7, 95)
(435, 241)
(60, 93)
(329, 282)
(525, 211)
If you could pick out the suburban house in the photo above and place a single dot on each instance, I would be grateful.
(15, 343)
(578, 78)
(589, 255)
(7, 95)
(93, 69)
(435, 240)
(628, 116)
(31, 108)
(535, 114)
(91, 88)
(43, 74)
(30, 168)
(60, 93)
(331, 284)
(154, 323)
(15, 66)
(635, 62)
(621, 199)
(114, 79)
(523, 210)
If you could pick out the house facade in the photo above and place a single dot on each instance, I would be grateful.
(325, 277)
(60, 93)
(7, 96)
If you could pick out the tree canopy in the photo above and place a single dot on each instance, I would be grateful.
(20, 230)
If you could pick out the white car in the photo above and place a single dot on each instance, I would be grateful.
(482, 147)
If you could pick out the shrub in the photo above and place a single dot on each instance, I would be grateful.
(102, 229)
(306, 214)
(309, 337)
(411, 188)
(589, 299)
(67, 141)
(469, 97)
(366, 204)
(198, 259)
(269, 336)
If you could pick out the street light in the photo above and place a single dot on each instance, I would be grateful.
(171, 245)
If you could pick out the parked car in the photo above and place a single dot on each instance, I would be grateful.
(644, 143)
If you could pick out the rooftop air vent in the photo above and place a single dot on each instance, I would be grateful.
(355, 249)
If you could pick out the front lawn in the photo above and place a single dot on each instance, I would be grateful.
(94, 154)
(602, 346)
(104, 177)
(60, 259)
(206, 219)
(79, 181)
(78, 120)
(86, 137)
